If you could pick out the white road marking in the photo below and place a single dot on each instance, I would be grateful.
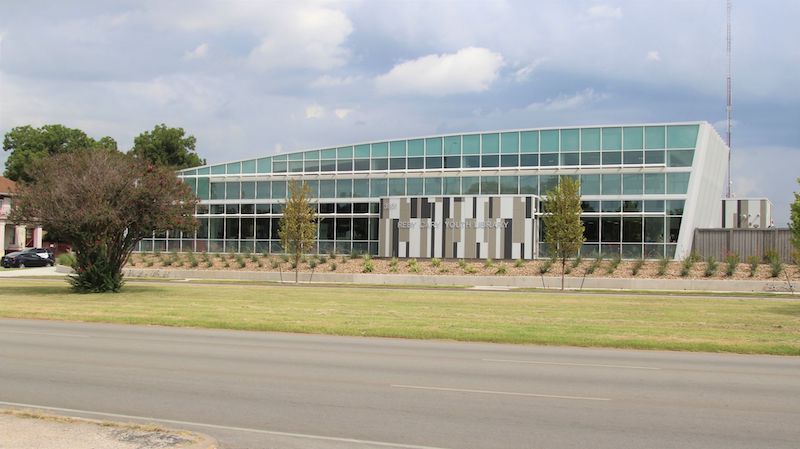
(219, 427)
(49, 334)
(505, 393)
(534, 362)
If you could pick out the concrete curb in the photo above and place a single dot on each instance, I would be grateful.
(544, 282)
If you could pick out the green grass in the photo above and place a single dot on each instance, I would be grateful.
(768, 326)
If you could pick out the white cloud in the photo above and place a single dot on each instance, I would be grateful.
(471, 69)
(565, 102)
(314, 111)
(326, 81)
(605, 12)
(199, 52)
(308, 37)
(653, 55)
(342, 113)
(522, 74)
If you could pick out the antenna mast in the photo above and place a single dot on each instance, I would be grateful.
(729, 104)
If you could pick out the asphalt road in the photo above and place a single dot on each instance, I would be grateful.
(267, 390)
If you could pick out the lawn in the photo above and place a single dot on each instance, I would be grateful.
(745, 325)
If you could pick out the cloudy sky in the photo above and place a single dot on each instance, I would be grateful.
(250, 78)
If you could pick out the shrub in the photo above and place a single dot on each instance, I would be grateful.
(193, 262)
(615, 261)
(488, 263)
(775, 267)
(209, 264)
(663, 264)
(753, 261)
(284, 258)
(598, 259)
(546, 266)
(415, 268)
(368, 266)
(293, 265)
(254, 258)
(469, 270)
(411, 263)
(770, 255)
(519, 263)
(688, 263)
(259, 263)
(241, 263)
(66, 259)
(332, 265)
(732, 261)
(323, 259)
(312, 263)
(149, 263)
(577, 261)
(462, 263)
(274, 263)
(637, 266)
(501, 269)
(226, 264)
(711, 267)
(355, 255)
(436, 262)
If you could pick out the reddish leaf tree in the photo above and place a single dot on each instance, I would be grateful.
(104, 203)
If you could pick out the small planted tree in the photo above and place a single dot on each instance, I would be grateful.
(563, 229)
(298, 227)
(104, 203)
(794, 225)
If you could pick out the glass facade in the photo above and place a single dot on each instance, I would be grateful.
(629, 177)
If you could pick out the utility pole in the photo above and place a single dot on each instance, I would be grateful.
(729, 104)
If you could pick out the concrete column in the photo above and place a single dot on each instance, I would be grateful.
(19, 236)
(37, 237)
(2, 238)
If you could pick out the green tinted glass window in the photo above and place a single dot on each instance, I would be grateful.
(217, 169)
(590, 139)
(202, 188)
(311, 155)
(682, 136)
(329, 153)
(490, 185)
(680, 158)
(380, 149)
(248, 190)
(249, 166)
(344, 153)
(632, 184)
(529, 184)
(327, 188)
(612, 184)
(234, 168)
(654, 183)
(677, 183)
(217, 190)
(633, 137)
(612, 139)
(547, 183)
(509, 143)
(509, 185)
(529, 142)
(654, 137)
(263, 190)
(397, 187)
(433, 146)
(452, 145)
(452, 186)
(279, 157)
(362, 151)
(414, 186)
(278, 189)
(433, 186)
(416, 147)
(203, 171)
(590, 184)
(570, 140)
(361, 188)
(295, 156)
(265, 165)
(472, 144)
(378, 187)
(397, 148)
(470, 185)
(344, 188)
(548, 141)
(490, 143)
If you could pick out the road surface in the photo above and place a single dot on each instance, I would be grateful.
(269, 390)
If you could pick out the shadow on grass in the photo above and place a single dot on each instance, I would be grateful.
(59, 289)
(791, 309)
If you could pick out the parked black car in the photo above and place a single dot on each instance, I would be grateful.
(31, 257)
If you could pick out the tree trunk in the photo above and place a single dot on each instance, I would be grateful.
(296, 268)
(563, 267)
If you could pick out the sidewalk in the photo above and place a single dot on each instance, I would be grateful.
(34, 430)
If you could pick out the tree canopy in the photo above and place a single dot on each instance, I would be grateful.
(29, 145)
(168, 147)
(298, 227)
(563, 229)
(104, 203)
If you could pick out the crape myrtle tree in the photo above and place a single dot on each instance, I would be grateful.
(563, 229)
(794, 225)
(104, 203)
(298, 227)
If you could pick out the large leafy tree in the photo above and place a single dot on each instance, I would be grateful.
(29, 145)
(794, 225)
(298, 227)
(104, 203)
(563, 229)
(165, 146)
